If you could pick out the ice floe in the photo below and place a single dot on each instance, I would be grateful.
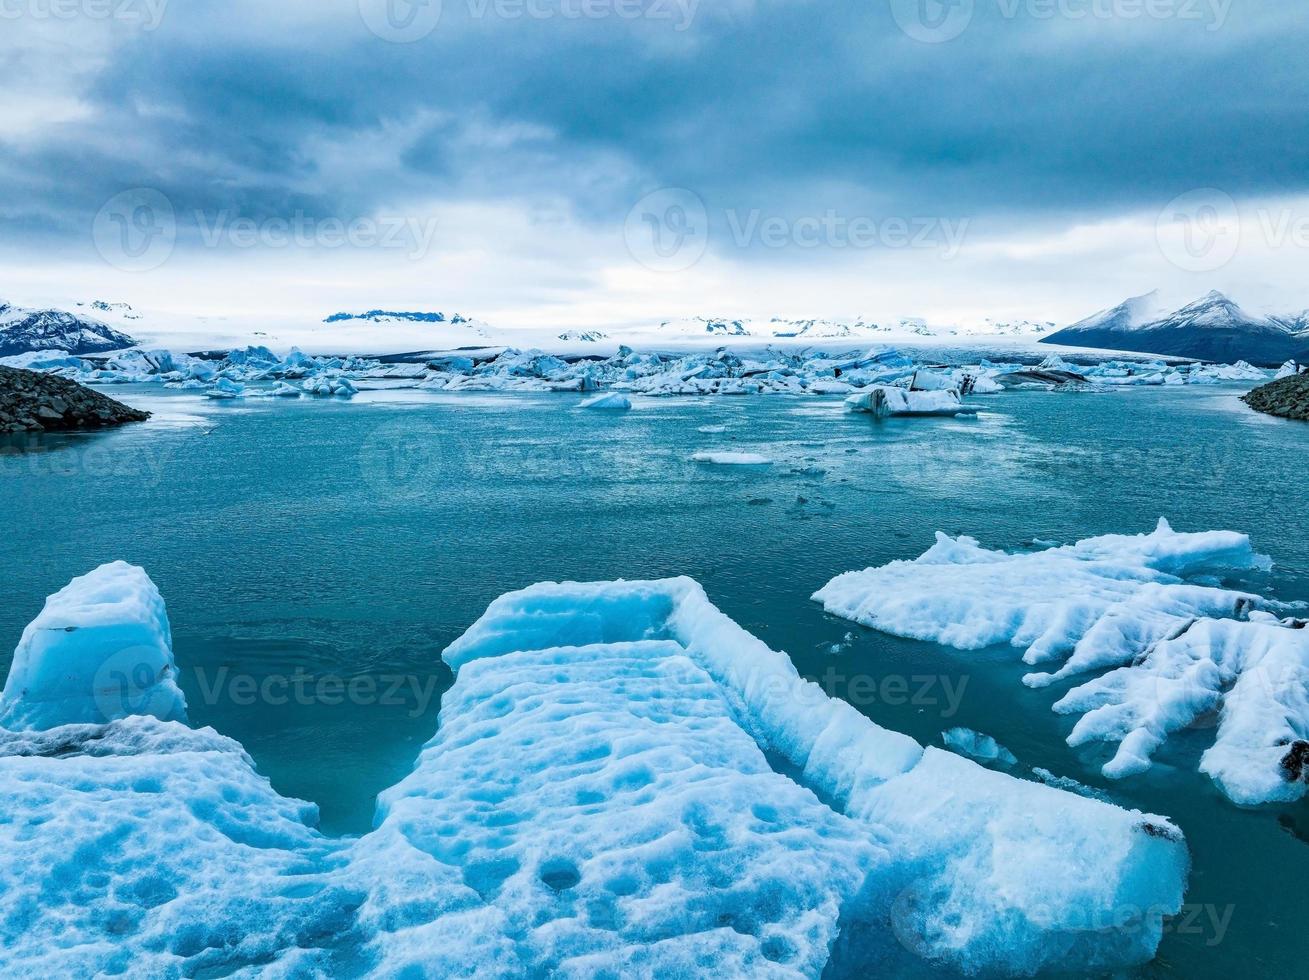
(731, 459)
(978, 746)
(612, 401)
(623, 782)
(1146, 608)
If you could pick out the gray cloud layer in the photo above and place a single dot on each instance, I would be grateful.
(794, 106)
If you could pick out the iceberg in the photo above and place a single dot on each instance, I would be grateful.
(225, 388)
(623, 781)
(1142, 611)
(101, 649)
(611, 401)
(883, 400)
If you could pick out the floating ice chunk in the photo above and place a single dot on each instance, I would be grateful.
(640, 829)
(969, 597)
(284, 390)
(731, 459)
(986, 873)
(712, 430)
(1182, 650)
(1287, 370)
(610, 401)
(100, 649)
(978, 746)
(882, 400)
(924, 380)
(1260, 752)
(225, 388)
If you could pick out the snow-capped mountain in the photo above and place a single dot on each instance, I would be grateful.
(1213, 328)
(394, 316)
(584, 336)
(123, 310)
(23, 330)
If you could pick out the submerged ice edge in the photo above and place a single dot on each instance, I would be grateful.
(654, 715)
(1148, 614)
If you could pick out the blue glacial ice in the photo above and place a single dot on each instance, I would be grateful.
(101, 649)
(1132, 605)
(623, 782)
(879, 378)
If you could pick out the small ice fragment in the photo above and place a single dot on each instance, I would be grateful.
(732, 459)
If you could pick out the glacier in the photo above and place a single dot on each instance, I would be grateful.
(1149, 614)
(865, 375)
(622, 781)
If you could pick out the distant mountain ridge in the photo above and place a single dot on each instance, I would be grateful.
(1213, 328)
(821, 329)
(384, 316)
(23, 330)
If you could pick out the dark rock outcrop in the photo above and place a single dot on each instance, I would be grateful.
(32, 401)
(1286, 397)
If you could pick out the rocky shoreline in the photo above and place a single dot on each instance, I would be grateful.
(31, 402)
(1286, 398)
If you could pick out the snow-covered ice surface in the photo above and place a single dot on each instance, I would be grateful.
(1148, 608)
(623, 782)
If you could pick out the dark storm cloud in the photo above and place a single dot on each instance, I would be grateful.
(795, 106)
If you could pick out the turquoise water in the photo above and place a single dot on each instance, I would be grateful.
(316, 558)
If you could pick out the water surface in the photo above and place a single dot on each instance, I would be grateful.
(317, 556)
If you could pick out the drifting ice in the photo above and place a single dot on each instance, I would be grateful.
(599, 797)
(882, 400)
(731, 459)
(1178, 649)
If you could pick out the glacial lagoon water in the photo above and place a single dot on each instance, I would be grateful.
(317, 556)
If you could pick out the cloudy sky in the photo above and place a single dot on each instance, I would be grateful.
(602, 162)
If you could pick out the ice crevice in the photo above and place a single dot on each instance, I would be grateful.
(598, 798)
(1149, 615)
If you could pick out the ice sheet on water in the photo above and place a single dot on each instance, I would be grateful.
(599, 797)
(1179, 650)
(979, 746)
(610, 401)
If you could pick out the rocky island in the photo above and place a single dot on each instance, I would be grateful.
(1287, 397)
(32, 401)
